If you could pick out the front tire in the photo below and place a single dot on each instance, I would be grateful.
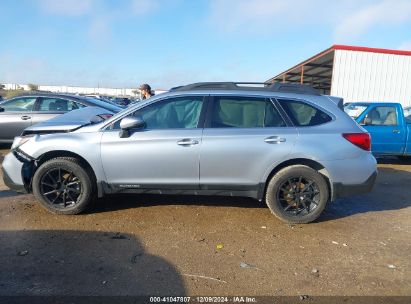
(297, 194)
(63, 186)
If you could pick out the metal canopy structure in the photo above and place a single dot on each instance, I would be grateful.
(317, 71)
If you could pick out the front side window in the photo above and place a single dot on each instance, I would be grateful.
(303, 114)
(173, 113)
(56, 104)
(25, 104)
(244, 112)
(381, 116)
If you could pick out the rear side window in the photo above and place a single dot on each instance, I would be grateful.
(244, 112)
(303, 114)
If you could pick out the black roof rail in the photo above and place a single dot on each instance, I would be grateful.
(249, 86)
(293, 88)
(217, 85)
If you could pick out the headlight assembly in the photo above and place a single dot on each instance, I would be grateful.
(19, 141)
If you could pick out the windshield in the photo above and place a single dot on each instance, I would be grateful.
(355, 110)
(104, 104)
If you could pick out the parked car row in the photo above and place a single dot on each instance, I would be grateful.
(283, 144)
(23, 111)
(121, 101)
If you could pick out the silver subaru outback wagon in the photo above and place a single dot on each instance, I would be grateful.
(285, 144)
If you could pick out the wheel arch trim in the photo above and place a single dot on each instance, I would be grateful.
(314, 164)
(65, 153)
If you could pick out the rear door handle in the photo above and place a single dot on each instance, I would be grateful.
(396, 131)
(25, 117)
(187, 142)
(274, 140)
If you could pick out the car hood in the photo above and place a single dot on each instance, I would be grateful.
(70, 121)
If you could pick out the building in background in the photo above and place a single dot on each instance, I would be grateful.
(356, 74)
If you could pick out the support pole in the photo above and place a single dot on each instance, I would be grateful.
(302, 75)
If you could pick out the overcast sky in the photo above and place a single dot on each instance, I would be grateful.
(123, 43)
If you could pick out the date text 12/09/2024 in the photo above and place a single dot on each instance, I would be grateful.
(203, 299)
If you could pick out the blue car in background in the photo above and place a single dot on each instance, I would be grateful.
(388, 126)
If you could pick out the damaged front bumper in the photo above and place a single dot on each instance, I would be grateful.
(17, 170)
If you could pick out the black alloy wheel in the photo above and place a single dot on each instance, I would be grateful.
(60, 188)
(298, 195)
(64, 185)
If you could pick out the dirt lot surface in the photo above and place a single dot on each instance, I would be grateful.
(130, 245)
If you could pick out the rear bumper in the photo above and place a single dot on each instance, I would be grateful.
(341, 190)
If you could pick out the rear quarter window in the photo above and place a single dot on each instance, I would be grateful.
(303, 114)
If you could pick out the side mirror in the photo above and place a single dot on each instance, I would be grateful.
(131, 122)
(1, 109)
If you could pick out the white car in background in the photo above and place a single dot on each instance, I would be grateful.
(407, 112)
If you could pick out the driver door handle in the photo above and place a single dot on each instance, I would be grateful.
(396, 131)
(274, 140)
(187, 142)
(25, 117)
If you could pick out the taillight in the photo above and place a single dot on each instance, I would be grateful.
(362, 140)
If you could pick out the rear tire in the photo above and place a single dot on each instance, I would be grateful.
(64, 186)
(297, 194)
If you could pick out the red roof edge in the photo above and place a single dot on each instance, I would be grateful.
(370, 50)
